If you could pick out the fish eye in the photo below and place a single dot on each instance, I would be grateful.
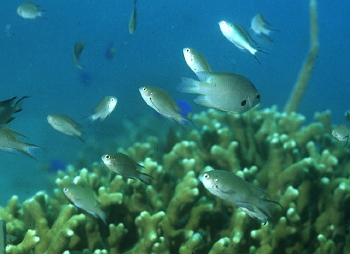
(206, 176)
(258, 96)
(144, 88)
(188, 50)
(216, 186)
(243, 103)
(65, 189)
(107, 156)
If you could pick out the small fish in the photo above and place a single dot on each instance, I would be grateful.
(84, 199)
(104, 108)
(341, 133)
(132, 22)
(9, 143)
(186, 108)
(29, 10)
(251, 199)
(78, 49)
(196, 61)
(125, 166)
(347, 115)
(8, 108)
(239, 37)
(258, 26)
(224, 91)
(110, 51)
(161, 102)
(65, 124)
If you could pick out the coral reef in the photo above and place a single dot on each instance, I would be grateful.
(300, 166)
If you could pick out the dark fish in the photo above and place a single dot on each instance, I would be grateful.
(8, 108)
(78, 49)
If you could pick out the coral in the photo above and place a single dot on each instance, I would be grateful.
(305, 72)
(301, 167)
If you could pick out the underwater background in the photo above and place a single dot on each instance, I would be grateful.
(36, 60)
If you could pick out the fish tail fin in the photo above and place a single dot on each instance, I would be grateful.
(188, 85)
(29, 149)
(102, 216)
(262, 51)
(18, 104)
(183, 121)
(145, 178)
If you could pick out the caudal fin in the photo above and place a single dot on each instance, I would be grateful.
(188, 85)
(147, 179)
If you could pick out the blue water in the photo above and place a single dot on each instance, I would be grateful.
(36, 60)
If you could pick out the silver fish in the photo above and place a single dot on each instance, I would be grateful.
(104, 108)
(224, 91)
(258, 26)
(341, 133)
(239, 37)
(29, 10)
(161, 102)
(8, 108)
(132, 22)
(196, 61)
(251, 199)
(65, 124)
(84, 198)
(125, 166)
(9, 143)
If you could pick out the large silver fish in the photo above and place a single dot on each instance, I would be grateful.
(104, 108)
(224, 91)
(125, 166)
(196, 61)
(29, 10)
(251, 199)
(65, 124)
(84, 198)
(8, 108)
(162, 102)
(239, 37)
(9, 143)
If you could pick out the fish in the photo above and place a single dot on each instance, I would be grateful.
(341, 133)
(196, 61)
(258, 26)
(110, 51)
(65, 124)
(78, 49)
(104, 108)
(162, 102)
(9, 143)
(347, 115)
(251, 199)
(10, 107)
(84, 199)
(125, 166)
(132, 21)
(222, 90)
(239, 37)
(29, 10)
(186, 108)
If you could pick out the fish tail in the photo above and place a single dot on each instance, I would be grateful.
(102, 216)
(188, 85)
(18, 105)
(145, 178)
(29, 149)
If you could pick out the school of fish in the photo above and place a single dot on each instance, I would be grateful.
(225, 91)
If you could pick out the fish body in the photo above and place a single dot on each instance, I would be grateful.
(9, 143)
(132, 21)
(84, 199)
(251, 199)
(29, 10)
(196, 61)
(258, 26)
(104, 108)
(224, 91)
(65, 124)
(8, 108)
(239, 37)
(341, 133)
(162, 102)
(78, 49)
(125, 166)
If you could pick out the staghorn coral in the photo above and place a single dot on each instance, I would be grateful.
(302, 167)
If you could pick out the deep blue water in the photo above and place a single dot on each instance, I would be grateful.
(36, 60)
